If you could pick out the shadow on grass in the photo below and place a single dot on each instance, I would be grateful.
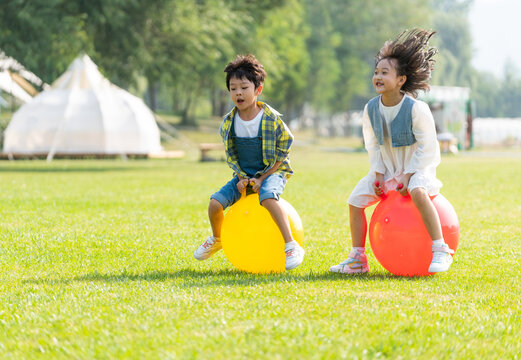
(205, 278)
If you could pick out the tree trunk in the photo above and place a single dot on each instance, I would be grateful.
(152, 95)
(186, 119)
(223, 100)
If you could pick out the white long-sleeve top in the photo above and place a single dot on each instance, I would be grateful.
(420, 159)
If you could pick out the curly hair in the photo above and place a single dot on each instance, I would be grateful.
(413, 58)
(245, 66)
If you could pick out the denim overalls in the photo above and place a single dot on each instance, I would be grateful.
(251, 161)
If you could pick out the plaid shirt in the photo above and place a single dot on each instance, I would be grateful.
(276, 141)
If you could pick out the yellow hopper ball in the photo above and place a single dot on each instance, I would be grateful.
(252, 241)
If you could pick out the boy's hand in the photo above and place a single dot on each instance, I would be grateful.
(378, 185)
(255, 184)
(241, 185)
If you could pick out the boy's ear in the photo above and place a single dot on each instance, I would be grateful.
(259, 90)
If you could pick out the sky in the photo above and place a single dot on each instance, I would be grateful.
(496, 34)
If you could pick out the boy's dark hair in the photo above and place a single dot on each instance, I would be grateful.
(245, 66)
(412, 57)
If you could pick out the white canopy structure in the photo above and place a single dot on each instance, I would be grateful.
(9, 85)
(16, 80)
(83, 114)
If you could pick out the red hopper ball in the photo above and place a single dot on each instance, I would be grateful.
(399, 238)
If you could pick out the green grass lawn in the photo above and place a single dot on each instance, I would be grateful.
(96, 262)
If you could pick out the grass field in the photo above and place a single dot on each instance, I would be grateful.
(96, 262)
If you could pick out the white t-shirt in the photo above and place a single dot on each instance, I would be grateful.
(248, 128)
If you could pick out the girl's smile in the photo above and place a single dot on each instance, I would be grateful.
(387, 82)
(385, 77)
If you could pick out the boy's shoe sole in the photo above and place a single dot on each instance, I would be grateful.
(296, 264)
(207, 249)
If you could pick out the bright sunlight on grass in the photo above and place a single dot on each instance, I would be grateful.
(96, 262)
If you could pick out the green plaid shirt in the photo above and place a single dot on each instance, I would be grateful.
(276, 141)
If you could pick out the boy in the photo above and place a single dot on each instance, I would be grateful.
(257, 144)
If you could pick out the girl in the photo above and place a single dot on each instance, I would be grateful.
(400, 137)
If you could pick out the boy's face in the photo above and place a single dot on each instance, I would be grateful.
(243, 93)
(385, 77)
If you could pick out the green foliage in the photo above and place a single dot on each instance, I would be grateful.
(285, 57)
(325, 66)
(96, 262)
(498, 97)
(453, 67)
(345, 37)
(317, 52)
(42, 35)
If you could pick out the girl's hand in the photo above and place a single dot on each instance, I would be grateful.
(378, 185)
(241, 185)
(255, 184)
(402, 187)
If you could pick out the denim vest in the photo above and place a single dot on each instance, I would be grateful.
(401, 125)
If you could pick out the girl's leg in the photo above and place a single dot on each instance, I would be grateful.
(216, 216)
(428, 212)
(279, 215)
(356, 262)
(358, 223)
(441, 258)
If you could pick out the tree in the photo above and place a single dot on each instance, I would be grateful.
(42, 35)
(281, 46)
(454, 66)
(345, 37)
(324, 65)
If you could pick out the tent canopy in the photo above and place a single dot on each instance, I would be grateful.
(83, 113)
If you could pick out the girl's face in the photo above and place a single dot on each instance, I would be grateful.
(385, 78)
(243, 93)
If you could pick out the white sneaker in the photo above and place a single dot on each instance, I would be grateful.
(356, 263)
(441, 258)
(208, 248)
(294, 255)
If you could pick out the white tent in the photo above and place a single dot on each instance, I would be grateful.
(83, 113)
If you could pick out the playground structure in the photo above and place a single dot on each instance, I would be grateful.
(452, 109)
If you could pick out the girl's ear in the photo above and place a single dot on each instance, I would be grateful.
(259, 90)
(403, 80)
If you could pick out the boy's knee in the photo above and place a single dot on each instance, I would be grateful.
(268, 202)
(214, 206)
